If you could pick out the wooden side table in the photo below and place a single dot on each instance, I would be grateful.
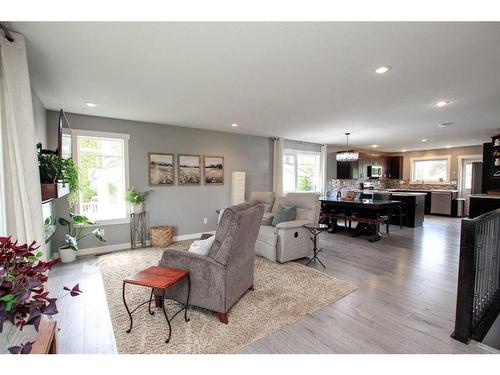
(138, 229)
(156, 277)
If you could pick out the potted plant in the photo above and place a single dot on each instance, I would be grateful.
(75, 228)
(23, 296)
(48, 165)
(54, 168)
(136, 199)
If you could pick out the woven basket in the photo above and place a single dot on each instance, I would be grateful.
(161, 235)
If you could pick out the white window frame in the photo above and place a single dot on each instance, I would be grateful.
(75, 133)
(427, 158)
(295, 152)
(460, 160)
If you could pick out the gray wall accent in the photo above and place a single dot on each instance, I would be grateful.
(40, 117)
(181, 206)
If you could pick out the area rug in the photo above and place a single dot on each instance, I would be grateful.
(284, 294)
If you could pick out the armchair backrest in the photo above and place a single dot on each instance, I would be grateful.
(264, 197)
(308, 205)
(236, 233)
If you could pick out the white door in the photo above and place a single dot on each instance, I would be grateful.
(466, 180)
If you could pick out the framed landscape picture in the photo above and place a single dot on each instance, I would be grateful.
(189, 170)
(161, 169)
(213, 170)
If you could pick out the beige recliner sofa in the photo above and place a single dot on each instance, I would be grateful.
(289, 240)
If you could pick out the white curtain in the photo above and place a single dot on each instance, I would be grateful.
(323, 170)
(278, 167)
(21, 181)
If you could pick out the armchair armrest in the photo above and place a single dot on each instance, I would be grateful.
(292, 224)
(186, 260)
(207, 279)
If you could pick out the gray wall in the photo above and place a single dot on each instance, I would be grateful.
(181, 206)
(40, 119)
(40, 116)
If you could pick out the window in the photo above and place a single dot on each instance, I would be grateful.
(301, 171)
(102, 161)
(468, 176)
(434, 169)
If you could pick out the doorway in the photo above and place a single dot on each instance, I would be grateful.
(468, 177)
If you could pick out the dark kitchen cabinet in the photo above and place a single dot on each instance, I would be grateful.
(491, 172)
(394, 166)
(347, 169)
(413, 209)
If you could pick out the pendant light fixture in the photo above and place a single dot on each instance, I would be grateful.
(347, 155)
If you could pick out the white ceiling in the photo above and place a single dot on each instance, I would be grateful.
(303, 81)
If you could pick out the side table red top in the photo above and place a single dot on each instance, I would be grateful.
(157, 277)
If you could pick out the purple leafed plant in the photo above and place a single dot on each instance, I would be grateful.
(23, 298)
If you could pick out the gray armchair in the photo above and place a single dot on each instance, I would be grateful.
(219, 279)
(289, 240)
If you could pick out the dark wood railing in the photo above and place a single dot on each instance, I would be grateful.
(478, 295)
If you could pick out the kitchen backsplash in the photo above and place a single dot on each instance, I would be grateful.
(385, 183)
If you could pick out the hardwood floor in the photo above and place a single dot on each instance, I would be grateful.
(405, 302)
(84, 322)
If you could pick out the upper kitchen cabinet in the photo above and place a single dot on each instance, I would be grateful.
(347, 170)
(394, 166)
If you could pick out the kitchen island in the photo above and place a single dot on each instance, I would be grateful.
(412, 205)
(482, 203)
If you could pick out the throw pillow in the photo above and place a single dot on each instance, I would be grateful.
(267, 219)
(285, 214)
(202, 247)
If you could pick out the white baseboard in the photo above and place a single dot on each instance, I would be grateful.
(125, 246)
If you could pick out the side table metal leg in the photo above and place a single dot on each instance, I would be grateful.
(150, 300)
(319, 260)
(315, 248)
(187, 300)
(166, 317)
(126, 307)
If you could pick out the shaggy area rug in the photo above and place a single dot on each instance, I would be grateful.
(284, 293)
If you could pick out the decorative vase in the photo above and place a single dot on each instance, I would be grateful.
(67, 255)
(136, 208)
(13, 336)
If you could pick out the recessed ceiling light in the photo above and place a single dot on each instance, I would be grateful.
(424, 140)
(442, 103)
(374, 146)
(90, 104)
(403, 150)
(382, 69)
(446, 124)
(234, 125)
(448, 146)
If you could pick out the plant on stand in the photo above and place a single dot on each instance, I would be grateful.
(23, 296)
(76, 230)
(136, 199)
